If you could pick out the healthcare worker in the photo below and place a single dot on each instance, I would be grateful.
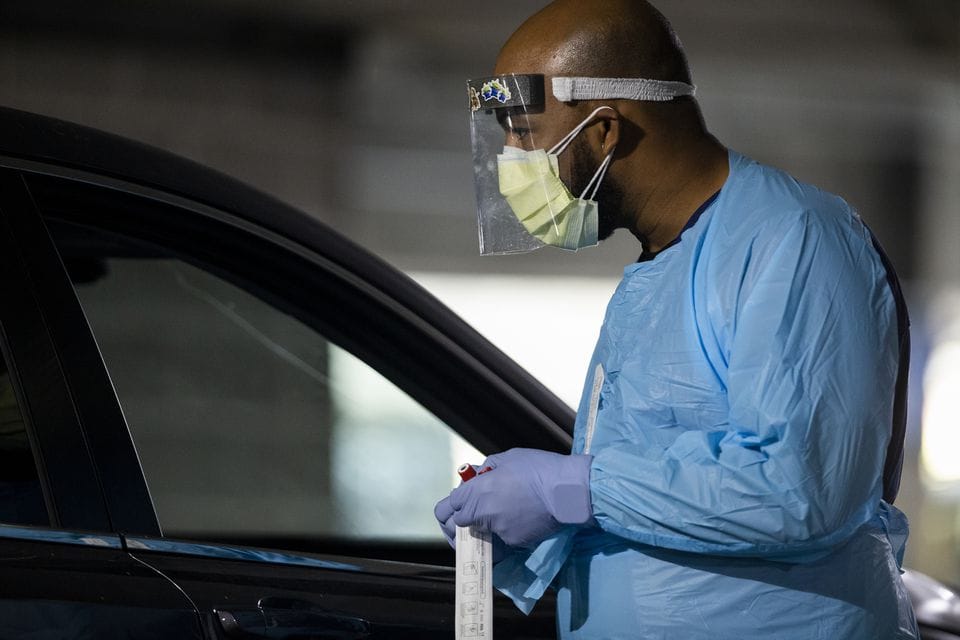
(738, 444)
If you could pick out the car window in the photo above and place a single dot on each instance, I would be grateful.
(21, 498)
(249, 423)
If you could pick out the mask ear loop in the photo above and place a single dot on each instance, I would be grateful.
(598, 177)
(565, 141)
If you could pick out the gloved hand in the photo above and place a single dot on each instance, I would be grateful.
(526, 496)
(443, 512)
(444, 515)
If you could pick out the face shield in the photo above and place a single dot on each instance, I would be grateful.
(522, 204)
(500, 133)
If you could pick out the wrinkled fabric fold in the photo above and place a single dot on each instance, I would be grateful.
(524, 576)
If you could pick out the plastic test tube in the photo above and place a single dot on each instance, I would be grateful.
(474, 595)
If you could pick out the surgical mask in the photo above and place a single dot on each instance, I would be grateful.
(530, 182)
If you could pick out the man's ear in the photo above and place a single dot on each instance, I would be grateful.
(608, 130)
(622, 127)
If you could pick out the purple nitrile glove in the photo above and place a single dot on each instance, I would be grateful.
(528, 495)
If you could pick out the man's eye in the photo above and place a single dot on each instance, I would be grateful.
(519, 134)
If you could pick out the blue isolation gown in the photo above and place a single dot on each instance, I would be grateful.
(738, 406)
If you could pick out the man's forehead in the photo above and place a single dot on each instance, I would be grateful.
(542, 52)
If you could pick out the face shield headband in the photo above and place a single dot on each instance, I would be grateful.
(521, 202)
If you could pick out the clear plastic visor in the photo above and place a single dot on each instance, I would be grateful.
(519, 193)
(514, 189)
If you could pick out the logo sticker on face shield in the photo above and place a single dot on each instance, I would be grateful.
(495, 90)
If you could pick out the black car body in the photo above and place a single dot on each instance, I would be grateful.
(93, 543)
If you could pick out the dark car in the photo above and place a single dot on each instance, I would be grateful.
(220, 419)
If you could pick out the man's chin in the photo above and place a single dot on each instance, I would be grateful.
(605, 227)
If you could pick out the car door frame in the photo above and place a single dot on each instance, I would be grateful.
(74, 573)
(34, 345)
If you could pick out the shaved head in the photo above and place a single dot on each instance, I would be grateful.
(664, 161)
(599, 38)
(605, 39)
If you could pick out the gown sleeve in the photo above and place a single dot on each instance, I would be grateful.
(809, 361)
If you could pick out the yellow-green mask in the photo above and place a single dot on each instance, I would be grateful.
(530, 182)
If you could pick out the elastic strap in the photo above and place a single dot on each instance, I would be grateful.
(567, 139)
(567, 89)
(597, 177)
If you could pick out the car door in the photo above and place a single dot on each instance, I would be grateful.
(64, 572)
(294, 421)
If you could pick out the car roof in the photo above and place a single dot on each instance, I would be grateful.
(33, 137)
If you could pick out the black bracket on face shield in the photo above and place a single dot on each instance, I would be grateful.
(506, 91)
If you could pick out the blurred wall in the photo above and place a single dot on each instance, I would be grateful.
(355, 112)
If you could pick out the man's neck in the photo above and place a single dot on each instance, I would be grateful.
(680, 189)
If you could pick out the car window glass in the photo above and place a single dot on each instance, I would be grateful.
(250, 424)
(21, 498)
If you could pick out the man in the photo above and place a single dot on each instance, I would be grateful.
(738, 445)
